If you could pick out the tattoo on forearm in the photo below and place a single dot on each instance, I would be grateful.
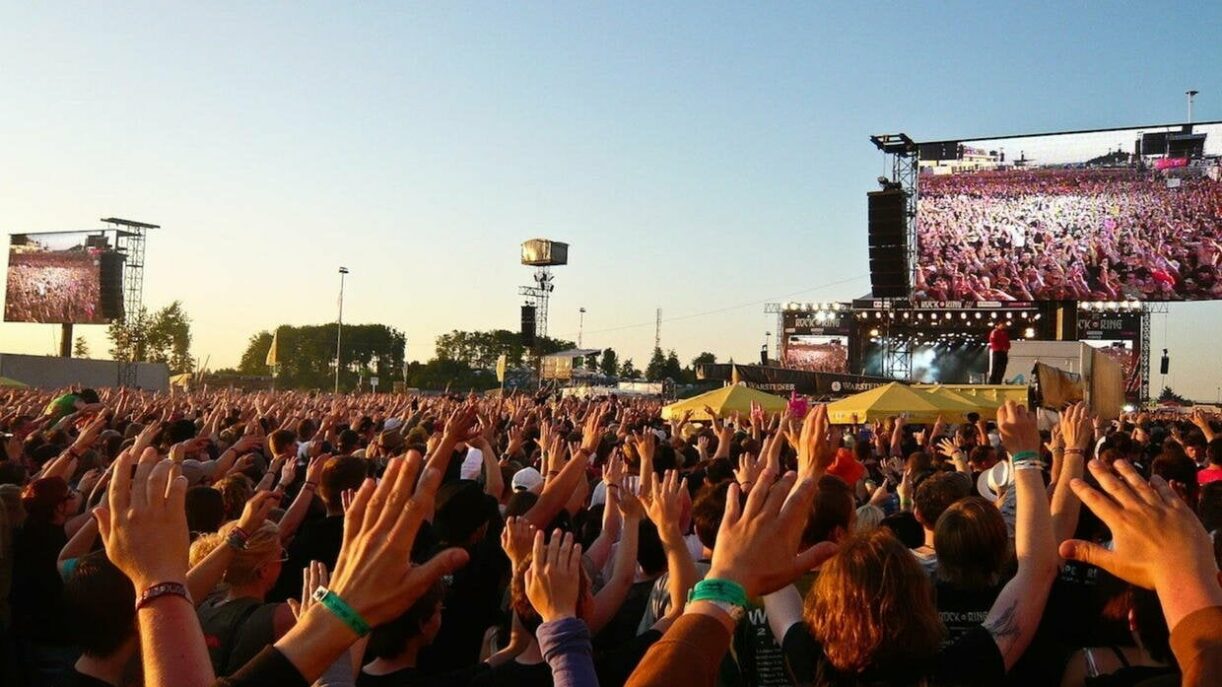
(1005, 628)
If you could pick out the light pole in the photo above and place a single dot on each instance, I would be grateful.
(764, 350)
(581, 324)
(339, 325)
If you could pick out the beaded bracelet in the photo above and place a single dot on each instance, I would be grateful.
(340, 609)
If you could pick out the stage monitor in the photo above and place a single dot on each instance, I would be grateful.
(58, 278)
(1109, 215)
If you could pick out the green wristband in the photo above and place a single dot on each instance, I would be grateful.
(724, 591)
(342, 610)
(1025, 457)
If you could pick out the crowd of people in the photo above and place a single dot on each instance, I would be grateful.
(831, 355)
(52, 286)
(292, 538)
(1103, 234)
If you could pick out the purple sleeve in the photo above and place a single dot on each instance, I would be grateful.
(565, 644)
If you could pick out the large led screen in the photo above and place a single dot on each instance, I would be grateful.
(55, 278)
(1095, 216)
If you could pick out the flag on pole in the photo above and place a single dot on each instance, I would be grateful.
(273, 353)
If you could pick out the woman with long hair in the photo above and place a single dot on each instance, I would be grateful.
(871, 617)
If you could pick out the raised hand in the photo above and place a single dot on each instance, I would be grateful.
(664, 503)
(315, 467)
(145, 438)
(591, 433)
(630, 506)
(256, 510)
(1157, 541)
(1018, 428)
(748, 471)
(816, 447)
(89, 434)
(757, 544)
(313, 576)
(554, 575)
(288, 473)
(247, 443)
(947, 448)
(614, 471)
(1076, 427)
(144, 523)
(517, 539)
(374, 573)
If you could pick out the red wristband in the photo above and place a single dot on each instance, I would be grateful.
(162, 589)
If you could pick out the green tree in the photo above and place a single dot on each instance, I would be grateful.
(704, 358)
(655, 371)
(1167, 395)
(480, 349)
(673, 369)
(609, 364)
(306, 355)
(80, 348)
(440, 374)
(628, 371)
(163, 337)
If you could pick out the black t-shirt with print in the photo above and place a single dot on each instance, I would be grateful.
(962, 608)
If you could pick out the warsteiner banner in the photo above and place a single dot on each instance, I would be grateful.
(782, 381)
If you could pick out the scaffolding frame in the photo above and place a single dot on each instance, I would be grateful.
(129, 240)
(904, 162)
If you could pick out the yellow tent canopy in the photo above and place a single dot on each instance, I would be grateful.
(885, 401)
(984, 405)
(989, 393)
(956, 407)
(725, 402)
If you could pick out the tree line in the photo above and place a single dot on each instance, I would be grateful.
(462, 360)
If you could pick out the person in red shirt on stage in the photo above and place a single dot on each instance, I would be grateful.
(999, 353)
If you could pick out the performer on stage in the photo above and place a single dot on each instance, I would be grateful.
(999, 353)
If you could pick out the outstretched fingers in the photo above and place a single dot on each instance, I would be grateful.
(1139, 486)
(1099, 504)
(140, 482)
(121, 482)
(1113, 485)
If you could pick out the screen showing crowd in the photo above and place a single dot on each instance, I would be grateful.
(1096, 216)
(817, 353)
(54, 278)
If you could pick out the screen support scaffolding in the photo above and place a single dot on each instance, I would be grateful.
(901, 153)
(129, 240)
(1143, 361)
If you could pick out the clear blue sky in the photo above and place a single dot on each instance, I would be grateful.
(697, 156)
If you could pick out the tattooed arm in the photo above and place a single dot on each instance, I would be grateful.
(1015, 615)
